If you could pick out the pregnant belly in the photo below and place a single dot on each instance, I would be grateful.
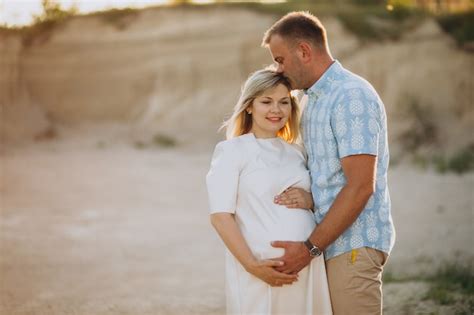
(284, 225)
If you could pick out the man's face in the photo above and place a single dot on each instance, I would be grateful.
(288, 62)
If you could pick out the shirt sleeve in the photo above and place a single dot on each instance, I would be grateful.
(223, 178)
(356, 122)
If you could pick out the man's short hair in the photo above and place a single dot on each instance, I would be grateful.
(297, 26)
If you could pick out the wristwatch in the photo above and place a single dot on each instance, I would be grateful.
(314, 251)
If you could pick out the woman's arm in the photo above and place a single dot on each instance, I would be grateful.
(227, 228)
(295, 198)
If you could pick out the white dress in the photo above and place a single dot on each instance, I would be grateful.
(246, 174)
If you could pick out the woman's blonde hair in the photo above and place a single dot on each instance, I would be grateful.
(258, 82)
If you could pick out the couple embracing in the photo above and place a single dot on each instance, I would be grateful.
(307, 231)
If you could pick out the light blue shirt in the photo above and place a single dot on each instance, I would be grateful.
(345, 116)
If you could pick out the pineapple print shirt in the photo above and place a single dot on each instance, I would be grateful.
(345, 116)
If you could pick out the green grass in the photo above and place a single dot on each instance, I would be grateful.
(440, 295)
(422, 135)
(460, 162)
(451, 282)
(388, 277)
(451, 285)
(463, 161)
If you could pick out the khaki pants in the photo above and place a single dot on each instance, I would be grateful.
(355, 281)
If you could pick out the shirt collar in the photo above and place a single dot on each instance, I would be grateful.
(320, 85)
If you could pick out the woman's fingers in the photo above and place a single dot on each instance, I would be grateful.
(274, 277)
(286, 277)
(281, 282)
(295, 198)
(290, 201)
(277, 275)
(272, 263)
(293, 192)
(282, 278)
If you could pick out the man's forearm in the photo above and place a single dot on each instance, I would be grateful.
(345, 209)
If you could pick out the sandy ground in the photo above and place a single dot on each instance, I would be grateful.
(117, 230)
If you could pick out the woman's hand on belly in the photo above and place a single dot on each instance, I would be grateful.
(265, 271)
(295, 198)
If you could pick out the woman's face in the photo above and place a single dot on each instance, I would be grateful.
(270, 111)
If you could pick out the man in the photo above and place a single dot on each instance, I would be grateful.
(345, 134)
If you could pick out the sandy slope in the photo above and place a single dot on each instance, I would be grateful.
(116, 230)
(161, 66)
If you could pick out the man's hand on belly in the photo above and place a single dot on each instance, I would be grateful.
(296, 256)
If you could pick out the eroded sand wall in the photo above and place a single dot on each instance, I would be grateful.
(179, 71)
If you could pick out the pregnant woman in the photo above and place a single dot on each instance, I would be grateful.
(258, 161)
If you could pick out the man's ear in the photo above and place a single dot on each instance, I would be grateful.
(305, 51)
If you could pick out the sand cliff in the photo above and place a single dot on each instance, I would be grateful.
(179, 70)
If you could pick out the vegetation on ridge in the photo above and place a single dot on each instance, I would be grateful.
(369, 20)
(460, 26)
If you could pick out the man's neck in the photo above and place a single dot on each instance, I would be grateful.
(321, 66)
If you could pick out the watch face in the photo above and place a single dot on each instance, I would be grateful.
(315, 251)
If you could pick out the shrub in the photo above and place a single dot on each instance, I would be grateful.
(422, 131)
(164, 140)
(44, 23)
(459, 25)
(120, 18)
(450, 279)
(158, 140)
(461, 162)
(52, 11)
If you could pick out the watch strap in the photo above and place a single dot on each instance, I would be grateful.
(314, 251)
(308, 244)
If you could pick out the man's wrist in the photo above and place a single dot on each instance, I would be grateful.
(313, 250)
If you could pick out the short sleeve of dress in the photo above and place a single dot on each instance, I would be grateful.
(223, 178)
(301, 149)
(356, 124)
